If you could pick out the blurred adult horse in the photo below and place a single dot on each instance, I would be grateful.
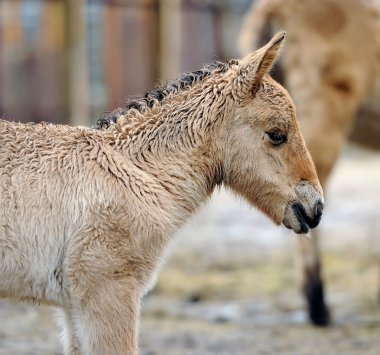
(329, 67)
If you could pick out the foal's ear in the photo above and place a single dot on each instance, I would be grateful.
(252, 68)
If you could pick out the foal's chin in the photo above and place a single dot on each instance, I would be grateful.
(298, 227)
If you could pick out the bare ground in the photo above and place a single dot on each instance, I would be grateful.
(229, 285)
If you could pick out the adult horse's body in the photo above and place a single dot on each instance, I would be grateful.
(86, 214)
(329, 68)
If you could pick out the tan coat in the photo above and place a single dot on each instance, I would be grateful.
(87, 214)
(329, 66)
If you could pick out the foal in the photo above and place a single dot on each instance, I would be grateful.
(86, 214)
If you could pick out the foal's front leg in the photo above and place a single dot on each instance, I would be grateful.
(107, 319)
(70, 342)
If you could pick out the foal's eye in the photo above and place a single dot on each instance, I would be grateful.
(276, 138)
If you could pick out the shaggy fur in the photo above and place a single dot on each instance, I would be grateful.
(156, 96)
(86, 214)
(329, 68)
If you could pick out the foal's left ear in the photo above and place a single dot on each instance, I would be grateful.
(252, 68)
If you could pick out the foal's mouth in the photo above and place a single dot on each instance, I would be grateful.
(297, 219)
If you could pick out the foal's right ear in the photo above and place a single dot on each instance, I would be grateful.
(252, 68)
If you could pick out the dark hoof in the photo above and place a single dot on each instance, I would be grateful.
(320, 316)
(319, 313)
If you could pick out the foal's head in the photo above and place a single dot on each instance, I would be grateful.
(266, 160)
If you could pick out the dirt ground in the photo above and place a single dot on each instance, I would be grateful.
(229, 284)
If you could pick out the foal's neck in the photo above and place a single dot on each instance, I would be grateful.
(176, 145)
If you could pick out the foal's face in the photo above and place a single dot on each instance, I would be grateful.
(269, 163)
(266, 158)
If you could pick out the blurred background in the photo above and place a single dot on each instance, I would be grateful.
(68, 61)
(230, 284)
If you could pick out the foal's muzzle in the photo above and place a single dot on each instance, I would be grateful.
(305, 213)
(303, 218)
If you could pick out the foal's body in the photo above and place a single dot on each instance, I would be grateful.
(86, 214)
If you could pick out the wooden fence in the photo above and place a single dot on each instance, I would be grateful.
(67, 61)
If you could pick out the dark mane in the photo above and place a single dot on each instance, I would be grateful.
(156, 96)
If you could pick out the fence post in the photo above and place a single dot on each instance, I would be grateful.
(11, 61)
(78, 78)
(170, 39)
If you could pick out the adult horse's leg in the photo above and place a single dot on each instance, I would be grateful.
(312, 280)
(325, 149)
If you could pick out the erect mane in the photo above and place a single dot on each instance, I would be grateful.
(156, 96)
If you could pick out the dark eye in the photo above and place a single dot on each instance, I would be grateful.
(276, 138)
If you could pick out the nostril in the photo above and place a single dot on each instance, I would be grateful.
(318, 208)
